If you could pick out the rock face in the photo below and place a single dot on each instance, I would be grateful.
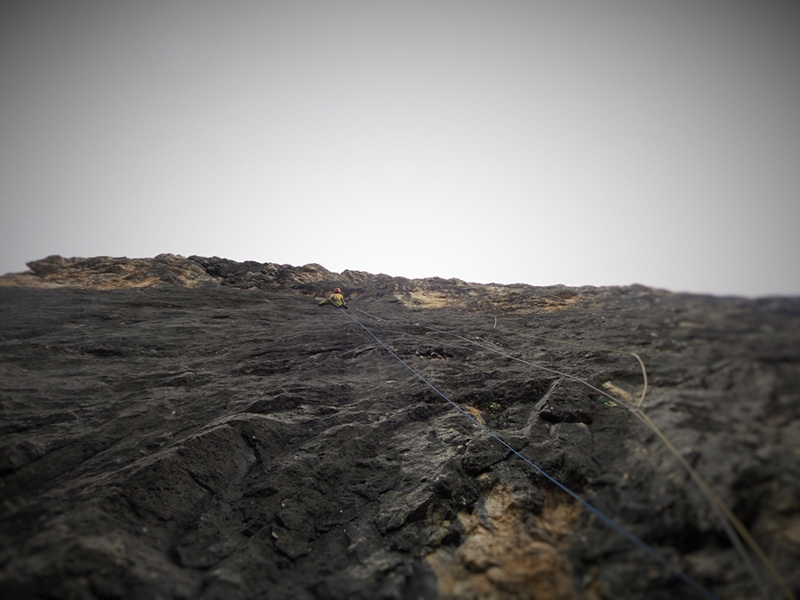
(200, 428)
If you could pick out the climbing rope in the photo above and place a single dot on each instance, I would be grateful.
(639, 543)
(726, 517)
(598, 349)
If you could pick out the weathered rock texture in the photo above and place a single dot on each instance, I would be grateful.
(200, 428)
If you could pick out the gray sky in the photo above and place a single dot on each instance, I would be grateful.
(583, 143)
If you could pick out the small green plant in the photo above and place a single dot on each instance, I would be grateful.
(493, 409)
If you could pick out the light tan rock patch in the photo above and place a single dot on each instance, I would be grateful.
(508, 553)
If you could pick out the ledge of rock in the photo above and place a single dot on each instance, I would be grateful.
(200, 428)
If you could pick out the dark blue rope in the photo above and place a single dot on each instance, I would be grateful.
(639, 543)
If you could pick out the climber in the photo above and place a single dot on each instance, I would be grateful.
(335, 299)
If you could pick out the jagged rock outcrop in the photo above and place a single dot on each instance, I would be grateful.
(200, 428)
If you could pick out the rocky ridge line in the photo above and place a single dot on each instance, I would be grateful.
(108, 273)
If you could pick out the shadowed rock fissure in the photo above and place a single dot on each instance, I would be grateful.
(200, 428)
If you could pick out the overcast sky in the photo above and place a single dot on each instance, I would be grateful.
(584, 143)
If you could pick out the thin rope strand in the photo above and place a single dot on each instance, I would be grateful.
(724, 514)
(598, 348)
(605, 519)
(726, 517)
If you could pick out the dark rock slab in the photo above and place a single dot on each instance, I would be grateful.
(200, 428)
